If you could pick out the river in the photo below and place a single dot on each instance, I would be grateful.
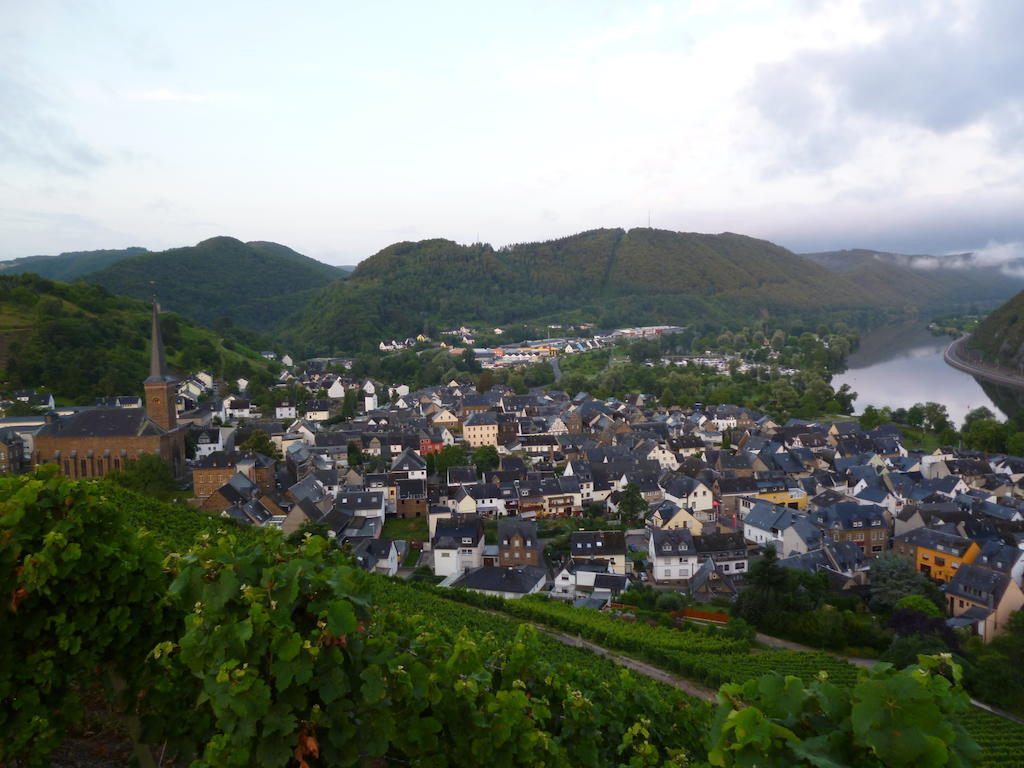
(902, 364)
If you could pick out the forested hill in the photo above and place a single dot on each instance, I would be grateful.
(1000, 336)
(934, 280)
(70, 265)
(255, 285)
(80, 342)
(608, 276)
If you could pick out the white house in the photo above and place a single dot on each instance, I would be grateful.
(369, 396)
(285, 410)
(337, 390)
(672, 554)
(457, 545)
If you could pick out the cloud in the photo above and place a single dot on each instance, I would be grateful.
(31, 134)
(940, 67)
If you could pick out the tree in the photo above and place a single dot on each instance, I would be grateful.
(485, 381)
(485, 458)
(355, 454)
(986, 435)
(1015, 444)
(893, 577)
(977, 414)
(632, 505)
(450, 456)
(260, 442)
(936, 417)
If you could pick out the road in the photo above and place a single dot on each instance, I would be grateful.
(956, 356)
(555, 367)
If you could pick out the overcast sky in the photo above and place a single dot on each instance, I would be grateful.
(338, 128)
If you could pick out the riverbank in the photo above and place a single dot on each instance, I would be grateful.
(958, 356)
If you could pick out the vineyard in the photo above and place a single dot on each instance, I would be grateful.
(267, 650)
(708, 656)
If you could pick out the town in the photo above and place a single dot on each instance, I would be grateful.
(581, 498)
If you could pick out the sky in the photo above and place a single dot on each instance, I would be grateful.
(337, 128)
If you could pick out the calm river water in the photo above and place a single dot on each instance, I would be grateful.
(900, 365)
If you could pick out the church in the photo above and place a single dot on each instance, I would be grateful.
(96, 441)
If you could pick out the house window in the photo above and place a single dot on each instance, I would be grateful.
(668, 573)
(961, 603)
(682, 559)
(84, 465)
(940, 561)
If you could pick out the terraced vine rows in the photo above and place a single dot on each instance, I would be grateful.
(713, 659)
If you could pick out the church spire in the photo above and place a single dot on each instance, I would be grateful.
(157, 360)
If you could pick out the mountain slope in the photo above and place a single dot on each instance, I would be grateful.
(608, 276)
(931, 280)
(255, 285)
(68, 266)
(1000, 336)
(80, 342)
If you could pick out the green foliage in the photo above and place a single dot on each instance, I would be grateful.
(632, 505)
(449, 456)
(81, 601)
(98, 344)
(888, 718)
(893, 577)
(485, 458)
(916, 602)
(70, 265)
(149, 475)
(633, 277)
(996, 673)
(260, 442)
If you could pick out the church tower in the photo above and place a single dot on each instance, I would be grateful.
(160, 387)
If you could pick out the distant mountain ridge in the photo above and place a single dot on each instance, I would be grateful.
(255, 285)
(957, 278)
(70, 265)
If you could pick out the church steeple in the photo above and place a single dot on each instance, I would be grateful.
(157, 359)
(160, 386)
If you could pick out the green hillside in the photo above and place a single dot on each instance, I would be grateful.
(608, 276)
(68, 266)
(254, 285)
(893, 276)
(81, 342)
(1000, 336)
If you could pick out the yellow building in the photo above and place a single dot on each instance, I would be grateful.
(936, 554)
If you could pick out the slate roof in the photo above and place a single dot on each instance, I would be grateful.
(103, 422)
(520, 579)
(597, 543)
(674, 543)
(940, 541)
(979, 585)
(510, 526)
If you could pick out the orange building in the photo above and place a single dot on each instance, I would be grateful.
(936, 554)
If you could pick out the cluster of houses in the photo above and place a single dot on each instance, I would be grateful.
(719, 484)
